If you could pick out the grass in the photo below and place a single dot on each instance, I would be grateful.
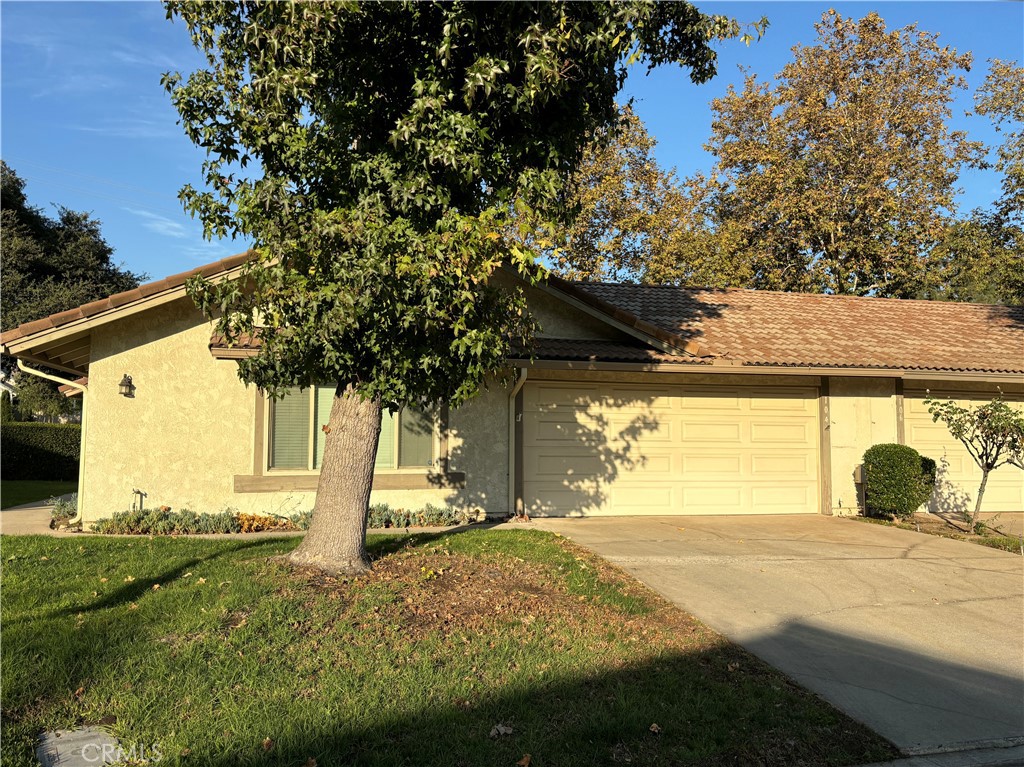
(216, 653)
(934, 525)
(14, 492)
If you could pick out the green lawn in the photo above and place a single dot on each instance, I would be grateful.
(14, 492)
(216, 654)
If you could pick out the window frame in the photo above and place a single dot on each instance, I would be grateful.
(438, 446)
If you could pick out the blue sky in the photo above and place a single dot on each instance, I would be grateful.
(84, 121)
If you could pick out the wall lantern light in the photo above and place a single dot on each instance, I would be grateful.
(126, 388)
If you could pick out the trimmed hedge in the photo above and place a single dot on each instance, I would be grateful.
(898, 479)
(40, 450)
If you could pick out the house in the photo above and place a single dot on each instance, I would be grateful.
(638, 400)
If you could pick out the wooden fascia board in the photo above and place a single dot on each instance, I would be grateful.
(19, 347)
(660, 367)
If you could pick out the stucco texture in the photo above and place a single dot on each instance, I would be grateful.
(184, 434)
(190, 428)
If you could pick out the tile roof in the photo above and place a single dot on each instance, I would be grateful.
(752, 327)
(121, 299)
(727, 326)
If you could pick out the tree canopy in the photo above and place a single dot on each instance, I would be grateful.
(377, 154)
(51, 264)
(837, 176)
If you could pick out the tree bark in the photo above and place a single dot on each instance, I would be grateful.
(981, 494)
(336, 539)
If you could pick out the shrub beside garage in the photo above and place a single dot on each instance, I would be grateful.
(40, 450)
(898, 480)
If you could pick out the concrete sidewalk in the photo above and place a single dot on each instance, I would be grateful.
(919, 637)
(27, 519)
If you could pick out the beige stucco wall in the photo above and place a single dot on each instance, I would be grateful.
(187, 431)
(190, 429)
(862, 413)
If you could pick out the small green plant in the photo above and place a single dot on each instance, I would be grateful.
(993, 435)
(897, 479)
(382, 515)
(62, 509)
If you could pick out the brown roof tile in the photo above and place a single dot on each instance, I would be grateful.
(120, 299)
(808, 330)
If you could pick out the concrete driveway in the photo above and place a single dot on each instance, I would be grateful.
(919, 637)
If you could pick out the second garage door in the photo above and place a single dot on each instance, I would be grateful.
(956, 488)
(621, 449)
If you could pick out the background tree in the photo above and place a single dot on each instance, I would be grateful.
(993, 435)
(1001, 98)
(977, 259)
(842, 173)
(374, 153)
(636, 222)
(49, 265)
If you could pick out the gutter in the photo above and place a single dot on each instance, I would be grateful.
(513, 448)
(77, 519)
(725, 367)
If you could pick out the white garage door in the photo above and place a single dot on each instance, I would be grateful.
(958, 475)
(620, 449)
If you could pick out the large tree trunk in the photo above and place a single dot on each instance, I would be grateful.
(981, 494)
(336, 540)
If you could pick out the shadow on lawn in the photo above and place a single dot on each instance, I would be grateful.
(133, 591)
(715, 706)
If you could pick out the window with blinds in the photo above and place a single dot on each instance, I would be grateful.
(297, 436)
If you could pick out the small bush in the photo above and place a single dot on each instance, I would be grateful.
(62, 509)
(897, 480)
(382, 515)
(40, 450)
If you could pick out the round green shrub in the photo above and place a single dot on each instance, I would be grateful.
(897, 480)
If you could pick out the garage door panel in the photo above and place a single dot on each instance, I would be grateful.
(711, 464)
(711, 432)
(711, 401)
(711, 498)
(780, 465)
(626, 449)
(780, 433)
(777, 499)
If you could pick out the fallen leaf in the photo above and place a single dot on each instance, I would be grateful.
(156, 587)
(267, 744)
(44, 559)
(104, 580)
(187, 575)
(500, 729)
(129, 579)
(524, 762)
(655, 728)
(79, 692)
(733, 666)
(201, 580)
(133, 606)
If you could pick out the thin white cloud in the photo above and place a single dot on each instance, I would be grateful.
(159, 224)
(145, 58)
(132, 128)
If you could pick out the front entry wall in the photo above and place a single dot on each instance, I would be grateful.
(670, 448)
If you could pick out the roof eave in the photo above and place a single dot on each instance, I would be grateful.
(907, 374)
